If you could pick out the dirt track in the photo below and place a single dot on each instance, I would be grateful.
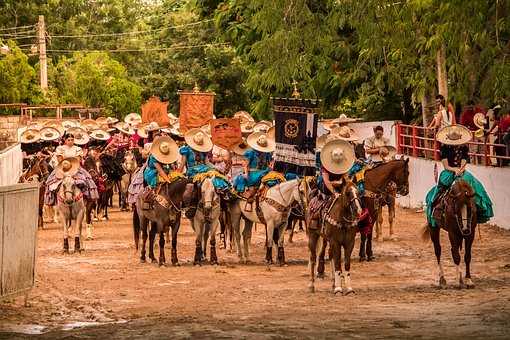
(107, 292)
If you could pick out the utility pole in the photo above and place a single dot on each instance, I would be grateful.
(43, 63)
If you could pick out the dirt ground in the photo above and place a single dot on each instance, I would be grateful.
(106, 291)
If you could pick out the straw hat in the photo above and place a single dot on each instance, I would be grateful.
(125, 128)
(89, 124)
(241, 148)
(30, 136)
(101, 121)
(111, 120)
(80, 136)
(244, 117)
(133, 119)
(172, 117)
(480, 120)
(35, 126)
(271, 133)
(261, 142)
(99, 134)
(165, 150)
(56, 125)
(345, 133)
(207, 129)
(143, 130)
(198, 140)
(49, 134)
(68, 167)
(342, 119)
(337, 156)
(454, 135)
(386, 153)
(69, 124)
(322, 140)
(247, 127)
(262, 126)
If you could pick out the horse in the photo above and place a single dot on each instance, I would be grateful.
(377, 182)
(130, 167)
(456, 214)
(206, 221)
(274, 213)
(93, 168)
(165, 213)
(38, 171)
(339, 228)
(72, 208)
(295, 216)
(111, 173)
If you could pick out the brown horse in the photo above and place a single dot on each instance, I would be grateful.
(380, 183)
(339, 227)
(456, 214)
(37, 171)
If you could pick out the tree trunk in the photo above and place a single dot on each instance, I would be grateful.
(442, 77)
(427, 107)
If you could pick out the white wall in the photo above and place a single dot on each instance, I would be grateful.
(495, 180)
(11, 165)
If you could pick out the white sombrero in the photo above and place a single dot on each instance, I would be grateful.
(81, 136)
(271, 133)
(111, 120)
(207, 129)
(133, 119)
(69, 124)
(143, 130)
(99, 134)
(101, 121)
(244, 117)
(49, 133)
(68, 167)
(30, 136)
(125, 128)
(261, 142)
(247, 127)
(342, 119)
(90, 124)
(322, 140)
(345, 133)
(198, 140)
(386, 153)
(454, 135)
(172, 118)
(480, 120)
(165, 150)
(35, 126)
(262, 126)
(241, 148)
(337, 156)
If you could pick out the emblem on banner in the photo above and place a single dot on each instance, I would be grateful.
(291, 128)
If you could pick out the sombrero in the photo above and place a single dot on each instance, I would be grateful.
(133, 119)
(198, 140)
(99, 134)
(35, 126)
(247, 127)
(342, 119)
(241, 148)
(30, 136)
(454, 135)
(337, 156)
(385, 152)
(207, 129)
(344, 133)
(56, 125)
(80, 136)
(172, 117)
(322, 140)
(165, 150)
(68, 167)
(271, 133)
(480, 120)
(143, 130)
(111, 120)
(89, 124)
(244, 117)
(261, 142)
(262, 126)
(49, 133)
(69, 124)
(125, 128)
(101, 121)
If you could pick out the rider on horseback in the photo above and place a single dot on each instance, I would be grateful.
(454, 157)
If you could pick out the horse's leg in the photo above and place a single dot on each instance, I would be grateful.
(467, 259)
(378, 224)
(88, 221)
(136, 228)
(349, 240)
(370, 253)
(313, 237)
(78, 226)
(214, 257)
(391, 216)
(434, 236)
(145, 225)
(322, 254)
(198, 226)
(362, 248)
(162, 258)
(269, 242)
(152, 237)
(292, 223)
(236, 228)
(66, 235)
(248, 225)
(336, 269)
(175, 230)
(455, 243)
(281, 240)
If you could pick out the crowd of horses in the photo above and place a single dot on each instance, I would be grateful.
(209, 210)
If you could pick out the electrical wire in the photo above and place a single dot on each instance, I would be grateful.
(16, 33)
(15, 28)
(178, 47)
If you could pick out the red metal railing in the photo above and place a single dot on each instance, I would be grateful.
(419, 141)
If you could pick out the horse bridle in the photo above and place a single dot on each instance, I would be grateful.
(458, 218)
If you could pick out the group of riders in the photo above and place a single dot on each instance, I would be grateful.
(163, 154)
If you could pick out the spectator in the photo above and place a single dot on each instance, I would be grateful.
(466, 118)
(443, 117)
(374, 144)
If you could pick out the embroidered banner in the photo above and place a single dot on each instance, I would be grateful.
(295, 133)
(226, 132)
(196, 109)
(154, 110)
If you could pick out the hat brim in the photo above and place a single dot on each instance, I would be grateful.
(239, 150)
(442, 135)
(94, 135)
(169, 158)
(189, 139)
(24, 140)
(75, 166)
(50, 134)
(333, 166)
(252, 142)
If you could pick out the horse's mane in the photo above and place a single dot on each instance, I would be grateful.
(461, 185)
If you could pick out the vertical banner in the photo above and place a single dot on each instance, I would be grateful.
(154, 110)
(226, 132)
(196, 109)
(295, 134)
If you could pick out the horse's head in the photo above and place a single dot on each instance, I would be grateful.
(129, 163)
(351, 204)
(208, 196)
(401, 176)
(69, 192)
(305, 188)
(462, 203)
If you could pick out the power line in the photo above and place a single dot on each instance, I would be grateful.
(16, 33)
(15, 28)
(129, 33)
(178, 47)
(22, 37)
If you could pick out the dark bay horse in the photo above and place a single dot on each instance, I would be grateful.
(382, 182)
(164, 214)
(37, 171)
(456, 214)
(339, 227)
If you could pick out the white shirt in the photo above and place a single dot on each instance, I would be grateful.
(69, 151)
(373, 142)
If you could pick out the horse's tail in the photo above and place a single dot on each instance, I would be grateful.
(425, 233)
(136, 228)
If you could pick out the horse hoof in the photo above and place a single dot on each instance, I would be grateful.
(371, 258)
(176, 264)
(442, 282)
(320, 276)
(349, 291)
(337, 290)
(311, 289)
(363, 259)
(142, 261)
(154, 261)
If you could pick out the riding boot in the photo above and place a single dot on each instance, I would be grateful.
(77, 248)
(281, 256)
(66, 246)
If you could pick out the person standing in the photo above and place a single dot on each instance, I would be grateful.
(374, 144)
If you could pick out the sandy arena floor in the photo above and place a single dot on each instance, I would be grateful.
(106, 292)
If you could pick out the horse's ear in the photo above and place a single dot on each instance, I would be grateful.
(406, 160)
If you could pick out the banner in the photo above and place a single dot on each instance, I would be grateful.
(154, 110)
(295, 134)
(196, 109)
(226, 132)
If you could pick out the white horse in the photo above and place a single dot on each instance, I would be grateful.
(71, 206)
(130, 167)
(206, 222)
(275, 208)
